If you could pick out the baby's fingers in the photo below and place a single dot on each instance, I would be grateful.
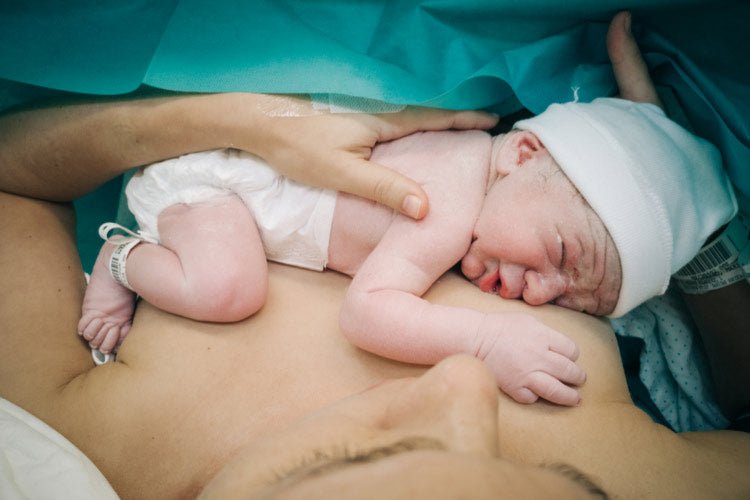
(562, 344)
(548, 387)
(565, 370)
(523, 395)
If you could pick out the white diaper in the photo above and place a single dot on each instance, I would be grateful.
(294, 220)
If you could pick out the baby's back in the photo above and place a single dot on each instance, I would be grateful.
(451, 166)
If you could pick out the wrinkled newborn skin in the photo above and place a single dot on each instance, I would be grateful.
(537, 238)
(534, 237)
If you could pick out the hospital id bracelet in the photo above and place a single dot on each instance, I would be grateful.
(123, 246)
(725, 260)
(118, 259)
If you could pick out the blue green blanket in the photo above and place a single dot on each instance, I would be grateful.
(491, 54)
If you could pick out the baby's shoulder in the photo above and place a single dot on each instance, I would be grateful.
(440, 155)
(438, 142)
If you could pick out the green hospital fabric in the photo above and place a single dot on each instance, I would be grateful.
(495, 54)
(84, 46)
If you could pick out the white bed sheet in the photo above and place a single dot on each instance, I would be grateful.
(37, 462)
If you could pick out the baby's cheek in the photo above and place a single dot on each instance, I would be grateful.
(569, 302)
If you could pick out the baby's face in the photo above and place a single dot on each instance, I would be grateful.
(537, 239)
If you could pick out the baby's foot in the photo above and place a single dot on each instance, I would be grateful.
(107, 307)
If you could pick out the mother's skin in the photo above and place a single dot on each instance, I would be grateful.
(184, 397)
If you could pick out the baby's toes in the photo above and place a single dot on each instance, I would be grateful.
(111, 339)
(89, 326)
(101, 334)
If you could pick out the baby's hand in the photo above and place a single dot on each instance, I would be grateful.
(529, 359)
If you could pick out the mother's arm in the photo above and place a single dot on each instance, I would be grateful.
(59, 153)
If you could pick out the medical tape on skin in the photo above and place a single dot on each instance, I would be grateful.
(341, 104)
(722, 262)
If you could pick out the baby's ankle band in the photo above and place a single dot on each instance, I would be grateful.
(118, 259)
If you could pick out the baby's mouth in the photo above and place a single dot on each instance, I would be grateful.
(490, 282)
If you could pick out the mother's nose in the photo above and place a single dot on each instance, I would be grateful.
(454, 402)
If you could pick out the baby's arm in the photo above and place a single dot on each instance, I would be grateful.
(529, 360)
(383, 311)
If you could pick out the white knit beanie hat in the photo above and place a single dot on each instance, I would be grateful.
(659, 190)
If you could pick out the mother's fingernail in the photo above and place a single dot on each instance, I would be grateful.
(411, 206)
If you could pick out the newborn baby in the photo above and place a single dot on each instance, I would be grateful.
(576, 206)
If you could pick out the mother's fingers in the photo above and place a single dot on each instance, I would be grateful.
(413, 119)
(628, 65)
(333, 151)
(371, 180)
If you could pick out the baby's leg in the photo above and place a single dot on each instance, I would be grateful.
(107, 306)
(210, 265)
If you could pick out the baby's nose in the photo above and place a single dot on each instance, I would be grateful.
(542, 288)
(472, 267)
(512, 284)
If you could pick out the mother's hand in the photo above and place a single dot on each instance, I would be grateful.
(333, 151)
(630, 69)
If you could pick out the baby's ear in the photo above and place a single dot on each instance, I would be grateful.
(515, 149)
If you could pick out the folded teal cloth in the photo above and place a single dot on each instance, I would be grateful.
(460, 54)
